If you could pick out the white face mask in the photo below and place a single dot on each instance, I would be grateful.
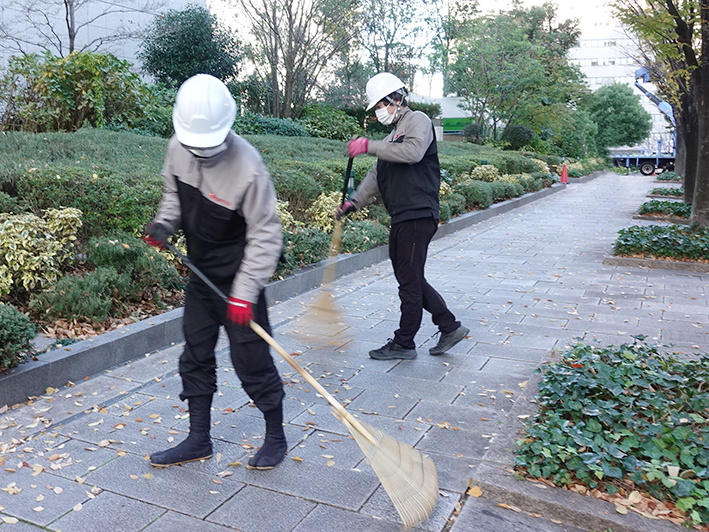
(384, 117)
(205, 153)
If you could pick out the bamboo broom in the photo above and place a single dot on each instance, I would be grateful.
(323, 307)
(409, 477)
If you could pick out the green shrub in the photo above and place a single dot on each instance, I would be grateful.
(529, 183)
(108, 202)
(517, 136)
(379, 214)
(677, 209)
(485, 172)
(95, 296)
(326, 122)
(669, 176)
(126, 270)
(575, 172)
(157, 112)
(456, 166)
(473, 133)
(444, 211)
(477, 194)
(511, 163)
(617, 417)
(284, 127)
(456, 202)
(148, 269)
(9, 204)
(358, 236)
(674, 242)
(432, 110)
(16, 332)
(516, 190)
(247, 124)
(33, 249)
(302, 246)
(498, 190)
(48, 93)
(295, 186)
(321, 213)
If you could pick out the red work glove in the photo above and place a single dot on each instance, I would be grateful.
(239, 311)
(344, 209)
(357, 146)
(156, 235)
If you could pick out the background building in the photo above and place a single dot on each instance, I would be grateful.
(97, 27)
(606, 55)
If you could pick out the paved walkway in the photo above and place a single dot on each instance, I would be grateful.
(526, 283)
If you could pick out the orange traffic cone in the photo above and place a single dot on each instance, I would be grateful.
(564, 174)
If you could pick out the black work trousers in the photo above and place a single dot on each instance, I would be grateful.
(204, 313)
(408, 247)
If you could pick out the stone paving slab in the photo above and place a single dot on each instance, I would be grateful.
(526, 284)
(100, 514)
(258, 510)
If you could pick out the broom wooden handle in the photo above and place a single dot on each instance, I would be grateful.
(314, 383)
(270, 341)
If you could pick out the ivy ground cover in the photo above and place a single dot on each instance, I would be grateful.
(629, 425)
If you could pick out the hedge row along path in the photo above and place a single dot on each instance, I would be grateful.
(525, 282)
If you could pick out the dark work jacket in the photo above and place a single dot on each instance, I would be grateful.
(411, 191)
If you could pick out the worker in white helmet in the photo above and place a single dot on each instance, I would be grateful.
(219, 192)
(407, 175)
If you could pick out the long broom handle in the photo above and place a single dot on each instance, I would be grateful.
(314, 383)
(347, 178)
(269, 339)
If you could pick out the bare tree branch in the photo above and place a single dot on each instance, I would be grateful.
(59, 26)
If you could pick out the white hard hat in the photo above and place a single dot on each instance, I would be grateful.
(204, 112)
(382, 85)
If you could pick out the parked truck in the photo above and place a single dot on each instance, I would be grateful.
(649, 163)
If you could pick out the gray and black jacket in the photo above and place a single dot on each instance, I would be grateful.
(407, 173)
(226, 205)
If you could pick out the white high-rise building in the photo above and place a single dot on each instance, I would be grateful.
(97, 27)
(606, 54)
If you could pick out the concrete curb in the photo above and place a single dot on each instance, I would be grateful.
(586, 178)
(656, 264)
(88, 357)
(669, 219)
(662, 197)
(499, 485)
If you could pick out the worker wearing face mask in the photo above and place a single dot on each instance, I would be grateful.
(407, 175)
(219, 192)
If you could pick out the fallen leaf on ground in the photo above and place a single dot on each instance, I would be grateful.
(475, 491)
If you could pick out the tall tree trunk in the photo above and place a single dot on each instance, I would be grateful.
(687, 142)
(70, 24)
(700, 203)
(275, 104)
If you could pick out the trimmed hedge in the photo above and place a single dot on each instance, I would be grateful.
(16, 332)
(477, 194)
(108, 202)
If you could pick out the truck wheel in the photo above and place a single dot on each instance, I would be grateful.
(647, 168)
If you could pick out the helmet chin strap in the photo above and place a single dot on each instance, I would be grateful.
(398, 106)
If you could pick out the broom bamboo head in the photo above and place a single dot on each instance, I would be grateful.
(409, 477)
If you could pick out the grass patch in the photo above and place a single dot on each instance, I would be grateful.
(617, 420)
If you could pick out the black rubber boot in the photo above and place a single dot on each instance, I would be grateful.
(197, 445)
(274, 446)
